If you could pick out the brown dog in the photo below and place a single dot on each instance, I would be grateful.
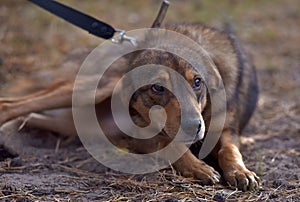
(237, 74)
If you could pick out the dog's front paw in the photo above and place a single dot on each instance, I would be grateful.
(190, 166)
(242, 178)
(234, 170)
(201, 171)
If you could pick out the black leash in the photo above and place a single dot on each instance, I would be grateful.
(86, 22)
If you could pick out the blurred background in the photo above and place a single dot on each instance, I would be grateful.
(32, 39)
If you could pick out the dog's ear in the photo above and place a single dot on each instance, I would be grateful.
(216, 82)
(211, 73)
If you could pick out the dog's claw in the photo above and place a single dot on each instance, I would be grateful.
(243, 179)
(254, 182)
(216, 178)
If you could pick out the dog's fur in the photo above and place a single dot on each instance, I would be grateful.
(236, 71)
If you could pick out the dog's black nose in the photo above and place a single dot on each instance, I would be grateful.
(199, 127)
(199, 134)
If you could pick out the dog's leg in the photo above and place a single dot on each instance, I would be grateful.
(190, 166)
(231, 162)
(58, 95)
(59, 121)
(187, 165)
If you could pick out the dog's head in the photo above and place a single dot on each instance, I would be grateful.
(161, 90)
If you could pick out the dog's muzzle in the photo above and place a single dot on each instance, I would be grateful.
(193, 130)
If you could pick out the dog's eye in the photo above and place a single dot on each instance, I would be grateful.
(158, 89)
(197, 83)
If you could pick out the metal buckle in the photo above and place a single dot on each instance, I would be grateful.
(121, 36)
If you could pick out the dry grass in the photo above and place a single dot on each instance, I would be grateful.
(163, 186)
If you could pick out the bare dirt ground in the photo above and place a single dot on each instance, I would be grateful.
(34, 167)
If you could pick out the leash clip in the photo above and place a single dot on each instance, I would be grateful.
(121, 36)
